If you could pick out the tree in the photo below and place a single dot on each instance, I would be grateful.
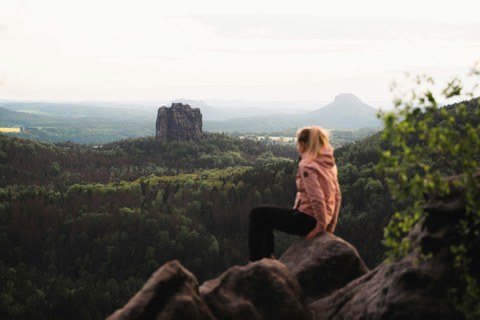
(429, 142)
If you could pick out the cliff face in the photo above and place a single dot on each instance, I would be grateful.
(320, 279)
(179, 122)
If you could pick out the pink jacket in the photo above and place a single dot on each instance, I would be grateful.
(318, 190)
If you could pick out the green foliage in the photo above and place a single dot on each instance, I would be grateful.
(81, 228)
(429, 142)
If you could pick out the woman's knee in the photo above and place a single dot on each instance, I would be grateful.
(256, 213)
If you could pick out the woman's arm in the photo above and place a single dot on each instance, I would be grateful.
(338, 201)
(312, 181)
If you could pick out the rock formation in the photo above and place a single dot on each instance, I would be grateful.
(321, 279)
(266, 289)
(316, 264)
(170, 293)
(179, 122)
(260, 290)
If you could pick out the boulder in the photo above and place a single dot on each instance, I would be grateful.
(261, 290)
(400, 290)
(323, 265)
(170, 293)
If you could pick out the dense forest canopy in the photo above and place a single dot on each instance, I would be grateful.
(82, 228)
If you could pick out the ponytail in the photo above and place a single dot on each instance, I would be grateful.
(314, 139)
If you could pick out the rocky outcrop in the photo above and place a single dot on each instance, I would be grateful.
(266, 289)
(399, 290)
(260, 290)
(323, 265)
(316, 280)
(170, 293)
(179, 122)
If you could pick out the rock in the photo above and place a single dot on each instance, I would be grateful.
(170, 293)
(435, 232)
(261, 290)
(323, 265)
(400, 290)
(179, 122)
(414, 287)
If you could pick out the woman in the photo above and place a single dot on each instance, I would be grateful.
(317, 202)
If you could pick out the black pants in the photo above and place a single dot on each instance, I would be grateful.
(266, 218)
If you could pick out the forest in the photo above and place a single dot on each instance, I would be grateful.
(82, 228)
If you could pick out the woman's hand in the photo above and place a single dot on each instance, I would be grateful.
(312, 234)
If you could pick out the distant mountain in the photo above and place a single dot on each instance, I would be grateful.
(345, 112)
(260, 124)
(57, 122)
(72, 111)
(222, 110)
(14, 118)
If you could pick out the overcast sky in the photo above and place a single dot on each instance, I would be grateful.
(249, 49)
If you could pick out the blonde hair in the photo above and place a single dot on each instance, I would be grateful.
(313, 139)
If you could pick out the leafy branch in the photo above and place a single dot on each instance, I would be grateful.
(429, 142)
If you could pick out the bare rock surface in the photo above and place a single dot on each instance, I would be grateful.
(323, 265)
(400, 290)
(261, 290)
(170, 293)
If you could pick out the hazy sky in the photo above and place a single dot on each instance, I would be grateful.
(209, 49)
